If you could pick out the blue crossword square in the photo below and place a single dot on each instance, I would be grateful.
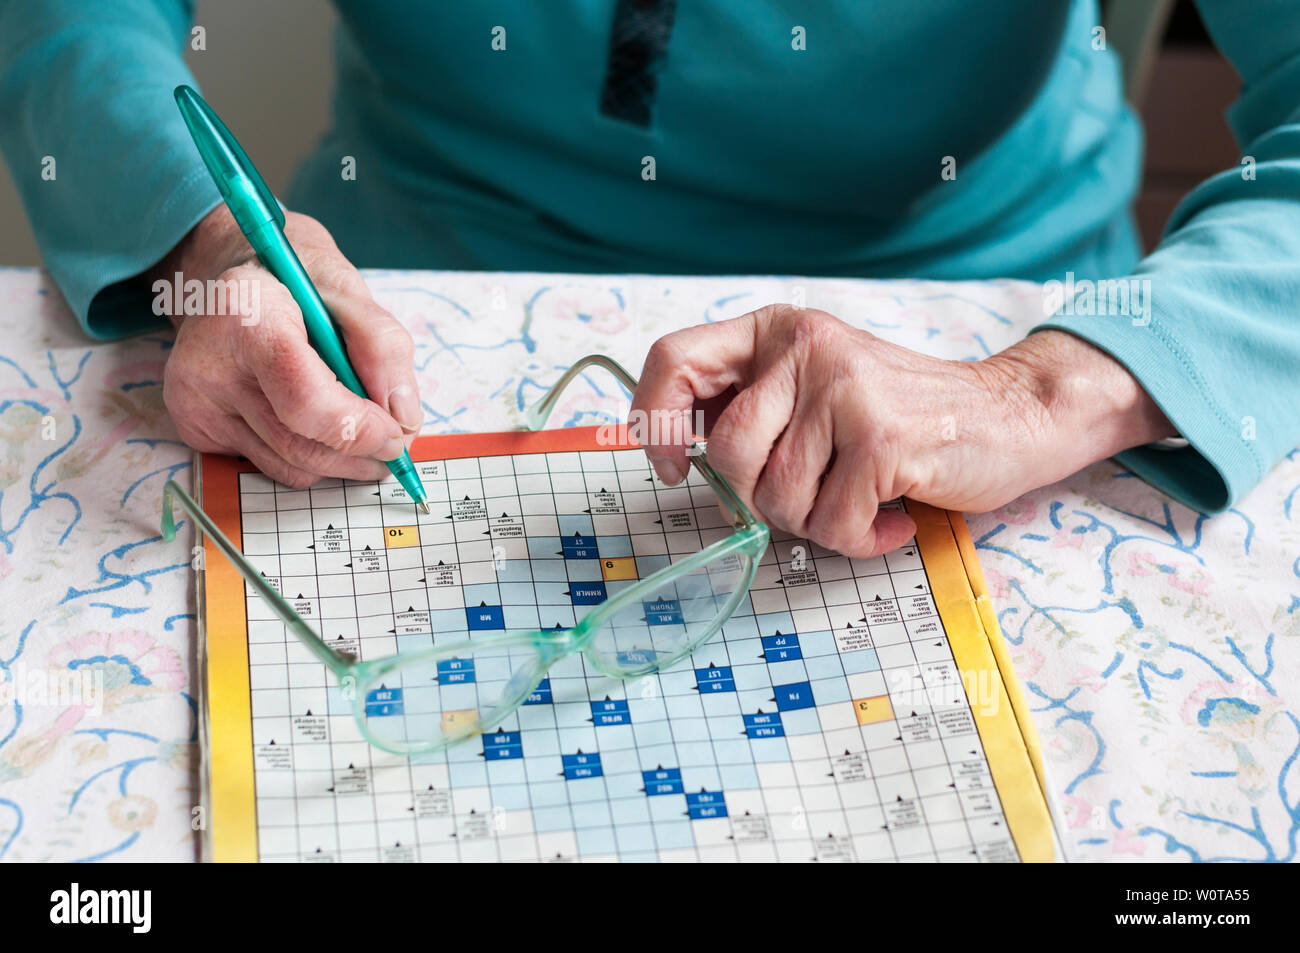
(732, 751)
(683, 706)
(467, 774)
(510, 797)
(675, 834)
(740, 627)
(446, 622)
(552, 818)
(750, 677)
(645, 709)
(543, 548)
(517, 593)
(634, 838)
(702, 778)
(612, 547)
(822, 666)
(521, 617)
(588, 593)
(770, 623)
(586, 790)
(541, 739)
(578, 523)
(769, 750)
(694, 753)
(803, 721)
(738, 777)
(666, 807)
(817, 643)
(829, 691)
(591, 814)
(514, 572)
(506, 772)
(629, 810)
(482, 618)
(543, 768)
(793, 696)
(616, 736)
(598, 840)
(620, 761)
(488, 592)
(786, 673)
(548, 570)
(720, 704)
(584, 570)
(864, 660)
(549, 793)
(690, 729)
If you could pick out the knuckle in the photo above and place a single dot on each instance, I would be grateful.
(391, 335)
(665, 353)
(337, 273)
(306, 228)
(811, 329)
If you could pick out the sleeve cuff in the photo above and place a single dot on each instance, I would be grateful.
(115, 301)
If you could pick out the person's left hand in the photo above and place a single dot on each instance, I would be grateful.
(815, 423)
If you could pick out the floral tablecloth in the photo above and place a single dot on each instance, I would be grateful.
(1159, 648)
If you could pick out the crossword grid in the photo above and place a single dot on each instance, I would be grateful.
(827, 721)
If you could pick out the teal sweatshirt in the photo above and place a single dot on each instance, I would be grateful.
(942, 139)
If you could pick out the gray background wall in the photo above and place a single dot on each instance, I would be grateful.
(276, 130)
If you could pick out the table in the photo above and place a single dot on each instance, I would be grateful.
(1159, 648)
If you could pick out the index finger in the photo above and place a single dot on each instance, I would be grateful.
(312, 402)
(694, 364)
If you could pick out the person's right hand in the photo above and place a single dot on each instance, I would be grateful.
(253, 386)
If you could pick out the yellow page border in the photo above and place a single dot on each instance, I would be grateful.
(1003, 720)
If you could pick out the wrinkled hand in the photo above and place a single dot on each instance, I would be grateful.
(250, 383)
(815, 423)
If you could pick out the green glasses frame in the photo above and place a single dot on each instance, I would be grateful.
(749, 539)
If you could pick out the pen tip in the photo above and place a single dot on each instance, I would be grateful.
(424, 508)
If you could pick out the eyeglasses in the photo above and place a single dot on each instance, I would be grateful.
(426, 701)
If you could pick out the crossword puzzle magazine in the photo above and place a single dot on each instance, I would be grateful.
(848, 710)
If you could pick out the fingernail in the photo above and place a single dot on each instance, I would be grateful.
(670, 471)
(405, 407)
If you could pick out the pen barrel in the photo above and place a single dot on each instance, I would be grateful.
(324, 334)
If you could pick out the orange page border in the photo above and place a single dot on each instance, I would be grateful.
(946, 552)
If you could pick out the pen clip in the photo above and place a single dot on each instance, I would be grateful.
(222, 153)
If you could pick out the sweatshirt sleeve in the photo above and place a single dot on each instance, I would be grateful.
(97, 149)
(1218, 347)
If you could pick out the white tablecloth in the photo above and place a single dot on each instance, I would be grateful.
(1159, 648)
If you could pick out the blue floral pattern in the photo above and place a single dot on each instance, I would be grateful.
(1159, 648)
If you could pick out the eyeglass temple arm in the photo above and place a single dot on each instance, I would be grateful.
(537, 415)
(172, 492)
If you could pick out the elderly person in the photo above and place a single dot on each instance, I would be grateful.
(943, 139)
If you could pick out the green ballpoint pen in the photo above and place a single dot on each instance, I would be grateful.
(261, 220)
